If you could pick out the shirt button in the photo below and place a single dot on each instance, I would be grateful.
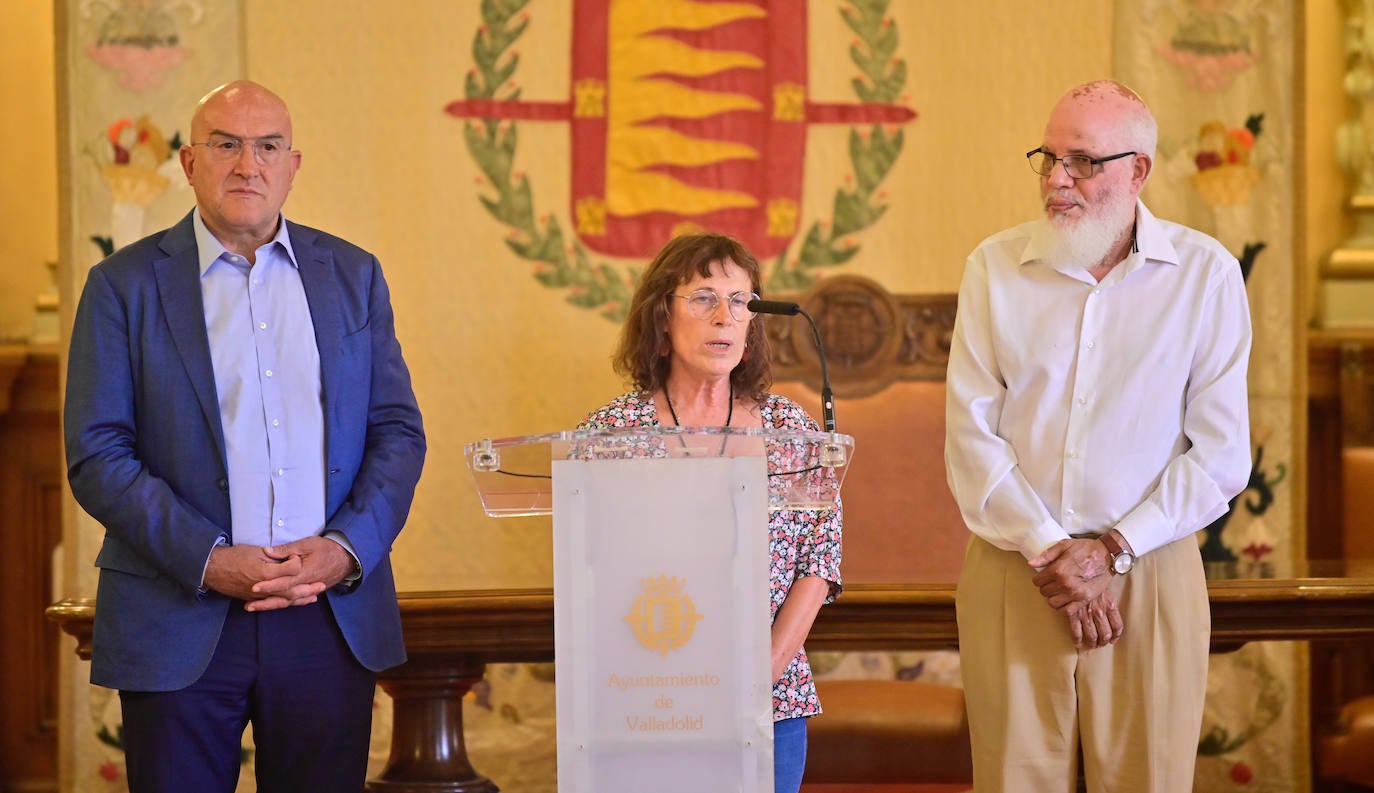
(1097, 291)
(1068, 511)
(268, 372)
(262, 326)
(1082, 400)
(1073, 455)
(276, 422)
(281, 523)
(281, 471)
(257, 281)
(1092, 345)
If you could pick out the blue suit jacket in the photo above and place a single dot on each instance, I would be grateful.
(146, 458)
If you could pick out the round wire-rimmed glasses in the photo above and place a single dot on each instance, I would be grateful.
(703, 303)
(267, 150)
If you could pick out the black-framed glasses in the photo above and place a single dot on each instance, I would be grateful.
(267, 151)
(703, 303)
(1077, 166)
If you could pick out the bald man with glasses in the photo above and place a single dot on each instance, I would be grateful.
(240, 420)
(1096, 419)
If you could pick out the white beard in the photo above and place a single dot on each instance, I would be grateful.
(1087, 240)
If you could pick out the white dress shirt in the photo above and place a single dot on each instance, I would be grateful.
(1075, 406)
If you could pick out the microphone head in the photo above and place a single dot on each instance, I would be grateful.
(774, 307)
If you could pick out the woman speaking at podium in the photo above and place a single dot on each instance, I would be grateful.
(696, 357)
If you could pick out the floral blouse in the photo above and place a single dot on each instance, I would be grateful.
(801, 542)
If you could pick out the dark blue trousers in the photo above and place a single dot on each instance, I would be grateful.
(789, 754)
(290, 674)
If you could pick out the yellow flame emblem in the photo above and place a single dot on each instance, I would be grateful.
(663, 617)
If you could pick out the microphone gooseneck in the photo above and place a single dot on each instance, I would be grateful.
(787, 309)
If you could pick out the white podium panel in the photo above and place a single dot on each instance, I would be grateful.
(661, 625)
(661, 591)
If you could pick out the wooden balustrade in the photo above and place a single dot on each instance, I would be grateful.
(452, 636)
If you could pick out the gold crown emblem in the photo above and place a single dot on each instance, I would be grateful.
(663, 617)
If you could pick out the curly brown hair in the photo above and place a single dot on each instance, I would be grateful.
(639, 356)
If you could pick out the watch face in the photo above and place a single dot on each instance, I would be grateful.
(1122, 563)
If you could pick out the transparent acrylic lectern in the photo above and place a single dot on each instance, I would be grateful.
(661, 615)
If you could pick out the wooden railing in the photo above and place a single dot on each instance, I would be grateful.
(452, 636)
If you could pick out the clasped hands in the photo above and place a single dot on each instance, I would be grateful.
(1073, 576)
(279, 576)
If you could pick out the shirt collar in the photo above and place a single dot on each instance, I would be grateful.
(209, 249)
(1151, 240)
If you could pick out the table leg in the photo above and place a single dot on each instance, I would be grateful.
(428, 753)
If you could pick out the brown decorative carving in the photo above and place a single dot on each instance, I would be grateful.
(31, 522)
(13, 357)
(872, 337)
(1340, 415)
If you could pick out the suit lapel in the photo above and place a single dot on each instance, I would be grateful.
(321, 284)
(178, 286)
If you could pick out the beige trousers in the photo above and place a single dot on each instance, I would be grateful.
(1136, 705)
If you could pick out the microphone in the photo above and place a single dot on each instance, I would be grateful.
(787, 309)
(776, 307)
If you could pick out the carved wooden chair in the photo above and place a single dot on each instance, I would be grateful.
(887, 357)
(1345, 760)
(1344, 752)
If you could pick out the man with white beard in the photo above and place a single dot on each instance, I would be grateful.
(1096, 418)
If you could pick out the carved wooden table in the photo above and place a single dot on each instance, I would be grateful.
(452, 636)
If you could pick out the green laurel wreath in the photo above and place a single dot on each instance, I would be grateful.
(606, 289)
(853, 210)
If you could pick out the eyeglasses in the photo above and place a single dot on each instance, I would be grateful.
(703, 303)
(267, 151)
(1077, 166)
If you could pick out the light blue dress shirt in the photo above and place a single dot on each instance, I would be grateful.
(267, 377)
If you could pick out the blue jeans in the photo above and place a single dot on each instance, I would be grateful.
(789, 754)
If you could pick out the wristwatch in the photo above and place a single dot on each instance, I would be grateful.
(1122, 559)
(355, 572)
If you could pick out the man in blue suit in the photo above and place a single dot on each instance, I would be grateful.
(240, 420)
